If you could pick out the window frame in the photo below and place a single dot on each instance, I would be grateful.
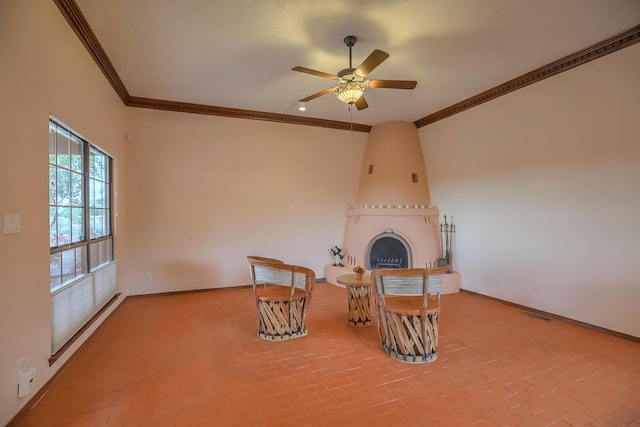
(105, 241)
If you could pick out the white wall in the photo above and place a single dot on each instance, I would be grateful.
(205, 192)
(543, 186)
(44, 70)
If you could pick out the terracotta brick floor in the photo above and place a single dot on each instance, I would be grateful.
(195, 360)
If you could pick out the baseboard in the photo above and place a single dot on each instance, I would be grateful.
(557, 317)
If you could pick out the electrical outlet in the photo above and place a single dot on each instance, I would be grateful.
(501, 282)
(148, 277)
(26, 379)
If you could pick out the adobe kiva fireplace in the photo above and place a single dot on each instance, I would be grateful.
(393, 224)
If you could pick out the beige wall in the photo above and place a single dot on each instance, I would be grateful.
(44, 70)
(543, 186)
(204, 192)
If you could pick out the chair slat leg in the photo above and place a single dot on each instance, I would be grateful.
(416, 334)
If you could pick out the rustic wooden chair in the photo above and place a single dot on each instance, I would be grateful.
(282, 292)
(407, 316)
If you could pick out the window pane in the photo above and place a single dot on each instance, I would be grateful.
(52, 144)
(53, 227)
(76, 189)
(55, 262)
(76, 154)
(99, 194)
(77, 224)
(62, 148)
(98, 201)
(97, 165)
(92, 163)
(101, 253)
(93, 232)
(107, 169)
(64, 225)
(68, 265)
(97, 223)
(94, 256)
(52, 185)
(81, 260)
(92, 192)
(94, 167)
(63, 187)
(107, 195)
(107, 222)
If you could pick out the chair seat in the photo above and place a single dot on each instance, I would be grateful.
(278, 293)
(409, 305)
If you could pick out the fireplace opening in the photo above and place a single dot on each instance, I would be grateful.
(388, 250)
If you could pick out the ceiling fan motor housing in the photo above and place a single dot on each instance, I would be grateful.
(349, 74)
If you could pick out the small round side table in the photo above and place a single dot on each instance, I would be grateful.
(359, 298)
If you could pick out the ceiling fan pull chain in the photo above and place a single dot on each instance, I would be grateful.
(351, 117)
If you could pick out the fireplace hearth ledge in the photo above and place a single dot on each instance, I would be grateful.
(451, 283)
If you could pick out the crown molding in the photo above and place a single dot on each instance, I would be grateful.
(80, 26)
(184, 107)
(600, 49)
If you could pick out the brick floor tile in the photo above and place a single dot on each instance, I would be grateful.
(194, 360)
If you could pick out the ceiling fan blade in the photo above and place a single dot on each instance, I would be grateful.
(318, 94)
(393, 84)
(361, 103)
(374, 59)
(315, 73)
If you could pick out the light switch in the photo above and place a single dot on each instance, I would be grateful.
(12, 223)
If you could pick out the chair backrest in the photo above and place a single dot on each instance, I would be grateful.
(436, 280)
(408, 282)
(260, 259)
(263, 259)
(270, 271)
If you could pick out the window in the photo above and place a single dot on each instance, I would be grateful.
(80, 238)
(82, 269)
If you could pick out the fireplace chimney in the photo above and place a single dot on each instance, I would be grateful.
(393, 170)
(393, 223)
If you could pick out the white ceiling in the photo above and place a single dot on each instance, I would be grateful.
(239, 53)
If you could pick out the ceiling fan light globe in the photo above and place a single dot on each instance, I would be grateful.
(349, 91)
(350, 96)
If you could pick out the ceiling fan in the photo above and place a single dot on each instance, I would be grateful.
(352, 82)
